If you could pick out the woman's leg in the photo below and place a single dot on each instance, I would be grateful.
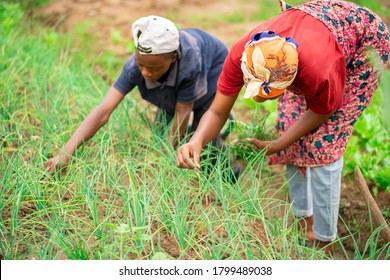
(326, 186)
(300, 191)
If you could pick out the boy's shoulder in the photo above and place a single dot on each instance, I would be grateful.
(131, 63)
(198, 38)
(196, 32)
(130, 68)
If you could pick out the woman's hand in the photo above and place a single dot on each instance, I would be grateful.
(188, 155)
(306, 123)
(57, 162)
(270, 146)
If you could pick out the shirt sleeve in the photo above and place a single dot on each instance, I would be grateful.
(187, 91)
(125, 82)
(330, 92)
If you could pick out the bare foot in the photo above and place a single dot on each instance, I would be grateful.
(306, 226)
(326, 246)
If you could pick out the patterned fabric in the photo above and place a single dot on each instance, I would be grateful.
(269, 64)
(284, 6)
(361, 35)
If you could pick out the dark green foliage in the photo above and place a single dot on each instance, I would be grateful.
(241, 148)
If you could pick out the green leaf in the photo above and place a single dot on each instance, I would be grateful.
(138, 229)
(144, 237)
(123, 228)
(160, 256)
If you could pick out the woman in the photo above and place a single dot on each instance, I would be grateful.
(321, 52)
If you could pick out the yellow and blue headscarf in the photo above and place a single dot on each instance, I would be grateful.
(269, 64)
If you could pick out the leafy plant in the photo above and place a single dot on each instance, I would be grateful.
(370, 143)
(127, 233)
(10, 16)
(241, 147)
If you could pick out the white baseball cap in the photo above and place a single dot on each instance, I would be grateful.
(155, 35)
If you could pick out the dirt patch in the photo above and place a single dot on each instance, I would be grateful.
(355, 217)
(108, 16)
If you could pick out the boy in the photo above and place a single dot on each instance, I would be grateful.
(175, 70)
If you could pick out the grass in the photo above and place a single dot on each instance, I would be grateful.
(122, 196)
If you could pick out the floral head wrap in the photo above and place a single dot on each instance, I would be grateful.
(269, 64)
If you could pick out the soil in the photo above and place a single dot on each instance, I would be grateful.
(117, 15)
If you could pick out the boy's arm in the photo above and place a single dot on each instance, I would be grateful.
(97, 118)
(180, 121)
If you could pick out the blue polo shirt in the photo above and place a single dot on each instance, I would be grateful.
(192, 78)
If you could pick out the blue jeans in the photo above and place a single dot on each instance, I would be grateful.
(317, 194)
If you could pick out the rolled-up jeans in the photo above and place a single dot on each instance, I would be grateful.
(317, 194)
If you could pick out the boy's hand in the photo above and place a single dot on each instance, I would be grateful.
(58, 162)
(186, 152)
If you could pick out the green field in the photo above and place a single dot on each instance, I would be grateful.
(122, 196)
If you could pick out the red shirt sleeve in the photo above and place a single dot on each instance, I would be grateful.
(329, 92)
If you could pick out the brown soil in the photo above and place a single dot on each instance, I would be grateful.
(117, 15)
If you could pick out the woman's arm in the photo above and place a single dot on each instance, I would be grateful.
(209, 127)
(306, 123)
